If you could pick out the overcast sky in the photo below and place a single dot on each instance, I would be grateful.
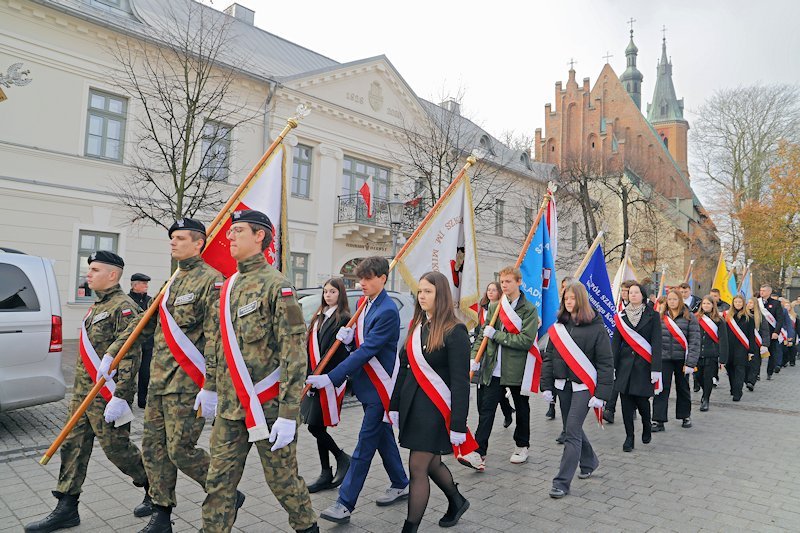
(506, 56)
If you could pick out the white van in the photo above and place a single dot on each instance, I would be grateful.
(30, 332)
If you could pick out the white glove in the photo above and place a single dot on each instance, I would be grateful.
(596, 403)
(548, 396)
(319, 382)
(457, 439)
(489, 332)
(206, 400)
(282, 433)
(655, 377)
(102, 370)
(394, 417)
(688, 370)
(345, 335)
(118, 411)
(474, 366)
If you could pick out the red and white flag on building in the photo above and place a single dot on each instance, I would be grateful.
(266, 193)
(366, 193)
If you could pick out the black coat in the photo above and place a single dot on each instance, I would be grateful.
(776, 309)
(710, 350)
(632, 371)
(592, 338)
(422, 426)
(671, 349)
(311, 408)
(737, 353)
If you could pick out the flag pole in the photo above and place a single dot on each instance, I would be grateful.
(625, 262)
(471, 160)
(546, 200)
(588, 256)
(689, 272)
(213, 228)
(661, 283)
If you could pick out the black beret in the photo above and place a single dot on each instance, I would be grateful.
(140, 277)
(110, 258)
(253, 217)
(188, 223)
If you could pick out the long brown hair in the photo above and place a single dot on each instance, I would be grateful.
(714, 315)
(683, 311)
(756, 312)
(443, 319)
(342, 305)
(744, 312)
(583, 313)
(485, 300)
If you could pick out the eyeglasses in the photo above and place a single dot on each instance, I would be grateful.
(234, 231)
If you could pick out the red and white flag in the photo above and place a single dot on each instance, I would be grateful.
(366, 193)
(265, 193)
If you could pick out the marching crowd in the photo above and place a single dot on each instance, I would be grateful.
(238, 351)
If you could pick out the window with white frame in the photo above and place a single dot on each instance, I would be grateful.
(216, 150)
(88, 242)
(105, 125)
(355, 172)
(301, 171)
(299, 264)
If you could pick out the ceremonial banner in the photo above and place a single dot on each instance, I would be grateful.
(625, 273)
(266, 193)
(446, 244)
(746, 289)
(595, 278)
(551, 219)
(721, 279)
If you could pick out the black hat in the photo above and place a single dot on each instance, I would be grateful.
(110, 258)
(253, 217)
(188, 223)
(140, 277)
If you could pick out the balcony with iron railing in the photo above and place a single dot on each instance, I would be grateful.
(352, 219)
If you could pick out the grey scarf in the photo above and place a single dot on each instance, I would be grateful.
(634, 313)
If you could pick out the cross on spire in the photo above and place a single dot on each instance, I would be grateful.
(631, 21)
(608, 56)
(664, 32)
(571, 63)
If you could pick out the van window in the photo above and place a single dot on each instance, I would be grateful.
(16, 290)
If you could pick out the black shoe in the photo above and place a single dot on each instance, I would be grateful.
(737, 398)
(159, 521)
(508, 421)
(561, 438)
(627, 446)
(655, 427)
(342, 466)
(696, 387)
(777, 369)
(457, 506)
(751, 386)
(314, 528)
(409, 527)
(557, 493)
(791, 364)
(647, 434)
(769, 377)
(323, 482)
(704, 404)
(551, 412)
(608, 416)
(687, 423)
(63, 516)
(145, 508)
(240, 497)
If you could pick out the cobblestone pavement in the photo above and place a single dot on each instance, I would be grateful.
(737, 469)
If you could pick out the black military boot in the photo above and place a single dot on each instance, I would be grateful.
(63, 516)
(342, 466)
(146, 507)
(160, 520)
(323, 482)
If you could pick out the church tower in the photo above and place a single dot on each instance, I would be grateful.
(632, 79)
(665, 113)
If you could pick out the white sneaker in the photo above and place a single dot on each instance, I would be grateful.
(473, 460)
(392, 495)
(519, 456)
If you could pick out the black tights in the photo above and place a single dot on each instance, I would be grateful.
(421, 466)
(325, 445)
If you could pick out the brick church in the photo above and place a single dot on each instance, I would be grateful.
(604, 125)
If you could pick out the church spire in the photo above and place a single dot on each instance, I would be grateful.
(632, 79)
(665, 106)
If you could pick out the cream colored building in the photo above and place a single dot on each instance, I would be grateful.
(63, 145)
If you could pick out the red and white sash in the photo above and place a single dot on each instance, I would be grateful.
(330, 397)
(92, 362)
(764, 311)
(250, 395)
(512, 323)
(738, 333)
(676, 333)
(380, 378)
(783, 335)
(434, 387)
(710, 328)
(576, 360)
(760, 343)
(639, 345)
(183, 350)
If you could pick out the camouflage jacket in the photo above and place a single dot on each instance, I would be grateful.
(194, 304)
(269, 328)
(111, 314)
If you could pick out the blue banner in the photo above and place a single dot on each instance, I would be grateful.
(595, 279)
(539, 278)
(747, 286)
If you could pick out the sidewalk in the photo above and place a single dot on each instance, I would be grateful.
(736, 470)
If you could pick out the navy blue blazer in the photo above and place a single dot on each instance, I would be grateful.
(381, 332)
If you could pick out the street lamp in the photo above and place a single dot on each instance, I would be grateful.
(396, 208)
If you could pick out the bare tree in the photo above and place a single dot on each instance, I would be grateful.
(181, 76)
(579, 181)
(737, 135)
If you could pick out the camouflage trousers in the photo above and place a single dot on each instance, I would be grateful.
(229, 449)
(77, 448)
(171, 430)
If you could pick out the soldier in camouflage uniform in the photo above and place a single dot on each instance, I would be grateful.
(171, 428)
(268, 329)
(112, 312)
